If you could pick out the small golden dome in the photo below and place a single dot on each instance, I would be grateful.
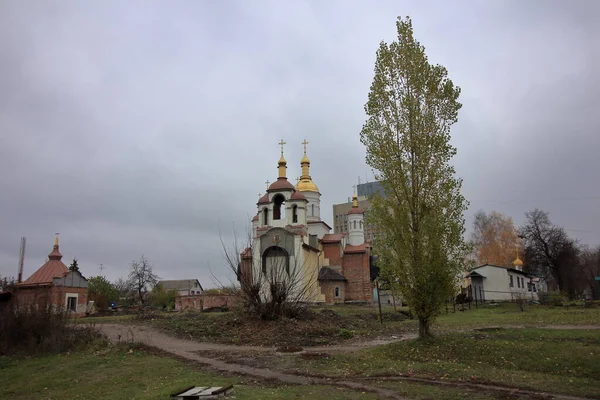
(307, 185)
(518, 262)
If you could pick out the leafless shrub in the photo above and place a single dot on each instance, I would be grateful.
(520, 298)
(273, 285)
(34, 328)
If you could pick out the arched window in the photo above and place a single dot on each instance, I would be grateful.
(336, 292)
(295, 214)
(274, 260)
(278, 201)
(354, 224)
(312, 210)
(266, 216)
(361, 225)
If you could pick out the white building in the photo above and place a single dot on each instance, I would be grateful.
(184, 287)
(497, 283)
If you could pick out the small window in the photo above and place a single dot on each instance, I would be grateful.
(518, 282)
(192, 292)
(312, 210)
(534, 287)
(354, 224)
(72, 303)
(512, 283)
(337, 292)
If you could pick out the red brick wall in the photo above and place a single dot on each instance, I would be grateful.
(355, 268)
(332, 252)
(54, 295)
(328, 289)
(204, 301)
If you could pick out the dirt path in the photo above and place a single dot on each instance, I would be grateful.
(192, 350)
(188, 349)
(155, 338)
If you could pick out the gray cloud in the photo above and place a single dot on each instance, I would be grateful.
(142, 127)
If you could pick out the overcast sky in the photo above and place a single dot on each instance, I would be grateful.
(144, 127)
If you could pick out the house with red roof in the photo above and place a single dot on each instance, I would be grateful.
(54, 285)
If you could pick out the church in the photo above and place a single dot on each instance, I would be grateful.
(289, 236)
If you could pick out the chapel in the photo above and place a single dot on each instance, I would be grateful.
(288, 235)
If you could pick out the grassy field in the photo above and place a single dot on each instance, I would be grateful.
(119, 372)
(509, 314)
(559, 361)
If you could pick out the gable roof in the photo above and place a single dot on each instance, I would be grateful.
(327, 274)
(361, 248)
(332, 238)
(53, 268)
(180, 284)
(516, 271)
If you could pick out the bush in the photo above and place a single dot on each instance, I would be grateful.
(31, 331)
(555, 299)
(346, 334)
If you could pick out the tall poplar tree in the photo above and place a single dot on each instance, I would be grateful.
(419, 223)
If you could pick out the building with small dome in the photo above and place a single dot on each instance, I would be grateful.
(289, 236)
(499, 283)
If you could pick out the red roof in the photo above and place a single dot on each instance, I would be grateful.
(255, 218)
(281, 184)
(332, 238)
(297, 196)
(264, 199)
(53, 268)
(356, 249)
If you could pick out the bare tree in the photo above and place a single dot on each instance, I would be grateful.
(7, 284)
(141, 278)
(275, 284)
(550, 251)
(590, 268)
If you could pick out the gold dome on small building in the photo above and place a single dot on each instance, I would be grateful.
(518, 262)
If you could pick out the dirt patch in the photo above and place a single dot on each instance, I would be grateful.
(317, 329)
(313, 355)
(289, 349)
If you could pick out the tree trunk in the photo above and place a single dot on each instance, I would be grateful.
(424, 328)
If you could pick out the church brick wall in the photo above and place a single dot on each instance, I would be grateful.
(328, 289)
(356, 270)
(332, 252)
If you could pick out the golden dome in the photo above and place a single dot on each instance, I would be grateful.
(518, 262)
(307, 185)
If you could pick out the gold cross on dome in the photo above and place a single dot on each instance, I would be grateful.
(281, 143)
(267, 183)
(354, 187)
(297, 180)
(304, 143)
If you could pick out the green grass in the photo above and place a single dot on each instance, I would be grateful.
(509, 314)
(105, 319)
(117, 372)
(560, 361)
